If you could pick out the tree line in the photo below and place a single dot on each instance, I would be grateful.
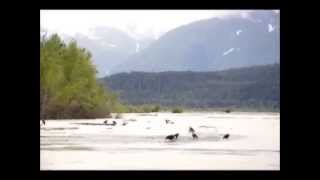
(256, 87)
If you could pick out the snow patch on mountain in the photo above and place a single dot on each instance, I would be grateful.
(238, 32)
(270, 28)
(137, 47)
(228, 51)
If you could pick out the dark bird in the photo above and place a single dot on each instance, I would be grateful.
(172, 137)
(191, 130)
(226, 136)
(124, 123)
(43, 122)
(113, 123)
(194, 136)
(169, 122)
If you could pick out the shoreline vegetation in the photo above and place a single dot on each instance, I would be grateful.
(69, 88)
(68, 82)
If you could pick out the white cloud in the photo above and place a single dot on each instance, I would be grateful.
(111, 45)
(245, 14)
(134, 22)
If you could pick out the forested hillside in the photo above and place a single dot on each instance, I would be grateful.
(250, 87)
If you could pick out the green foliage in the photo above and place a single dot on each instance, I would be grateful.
(145, 108)
(68, 84)
(177, 110)
(156, 108)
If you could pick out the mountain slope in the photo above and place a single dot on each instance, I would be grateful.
(109, 47)
(257, 86)
(213, 44)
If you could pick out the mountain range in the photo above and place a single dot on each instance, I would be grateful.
(212, 44)
(206, 45)
(109, 47)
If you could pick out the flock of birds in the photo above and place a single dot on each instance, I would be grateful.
(172, 137)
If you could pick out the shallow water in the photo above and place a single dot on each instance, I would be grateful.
(254, 142)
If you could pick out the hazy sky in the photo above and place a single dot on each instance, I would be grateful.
(134, 22)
